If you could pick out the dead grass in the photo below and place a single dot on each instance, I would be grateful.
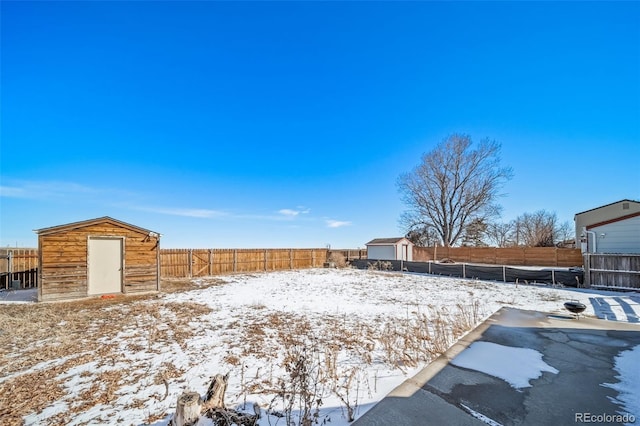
(41, 335)
(177, 285)
(56, 337)
(28, 393)
(551, 296)
(330, 354)
(338, 259)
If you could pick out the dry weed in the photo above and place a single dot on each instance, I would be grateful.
(380, 265)
(338, 259)
(179, 285)
(332, 354)
(37, 336)
(327, 356)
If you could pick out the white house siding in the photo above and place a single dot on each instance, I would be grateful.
(619, 237)
(603, 214)
(381, 252)
(400, 250)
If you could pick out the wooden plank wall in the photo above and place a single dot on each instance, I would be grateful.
(64, 260)
(351, 254)
(24, 267)
(618, 271)
(181, 263)
(516, 256)
(66, 265)
(186, 263)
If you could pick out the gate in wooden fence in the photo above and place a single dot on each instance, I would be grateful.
(18, 268)
(188, 263)
(615, 271)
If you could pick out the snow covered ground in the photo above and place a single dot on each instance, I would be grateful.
(360, 334)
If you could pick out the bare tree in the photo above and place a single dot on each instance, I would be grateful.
(539, 229)
(500, 234)
(564, 234)
(453, 186)
(423, 237)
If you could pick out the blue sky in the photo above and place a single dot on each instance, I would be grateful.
(286, 124)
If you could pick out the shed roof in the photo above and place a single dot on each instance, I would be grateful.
(610, 204)
(386, 241)
(84, 223)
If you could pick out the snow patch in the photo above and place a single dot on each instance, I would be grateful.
(516, 366)
(481, 416)
(626, 364)
(19, 296)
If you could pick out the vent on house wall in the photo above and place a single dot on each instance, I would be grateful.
(625, 206)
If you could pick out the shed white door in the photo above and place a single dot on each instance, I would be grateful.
(105, 265)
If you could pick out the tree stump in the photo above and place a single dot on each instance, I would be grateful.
(214, 398)
(187, 409)
(191, 407)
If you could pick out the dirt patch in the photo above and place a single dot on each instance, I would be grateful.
(177, 285)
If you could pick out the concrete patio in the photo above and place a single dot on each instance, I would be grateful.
(580, 351)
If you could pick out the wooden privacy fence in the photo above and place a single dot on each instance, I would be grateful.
(187, 263)
(350, 254)
(516, 256)
(618, 271)
(18, 268)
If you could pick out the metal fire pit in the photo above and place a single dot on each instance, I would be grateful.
(575, 307)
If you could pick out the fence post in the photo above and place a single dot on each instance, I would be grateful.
(190, 260)
(313, 258)
(553, 275)
(210, 262)
(235, 260)
(290, 258)
(504, 273)
(429, 266)
(10, 266)
(464, 271)
(265, 260)
(587, 270)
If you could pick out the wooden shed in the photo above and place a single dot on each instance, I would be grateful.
(96, 257)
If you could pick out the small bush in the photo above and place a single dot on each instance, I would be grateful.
(338, 259)
(380, 265)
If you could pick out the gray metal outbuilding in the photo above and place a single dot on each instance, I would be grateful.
(398, 248)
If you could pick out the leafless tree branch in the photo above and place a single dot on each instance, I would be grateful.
(453, 186)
